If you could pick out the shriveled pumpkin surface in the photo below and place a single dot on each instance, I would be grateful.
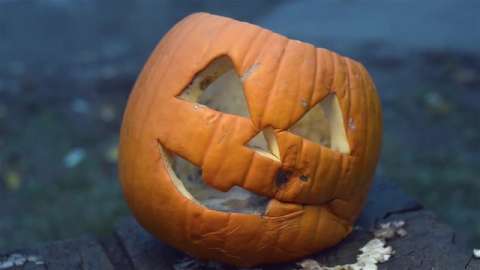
(316, 185)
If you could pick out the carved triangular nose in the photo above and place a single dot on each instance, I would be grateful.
(265, 143)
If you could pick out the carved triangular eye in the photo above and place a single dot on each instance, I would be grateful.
(265, 144)
(323, 124)
(219, 87)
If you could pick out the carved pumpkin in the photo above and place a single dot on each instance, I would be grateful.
(318, 111)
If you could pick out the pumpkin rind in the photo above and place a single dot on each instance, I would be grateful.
(303, 216)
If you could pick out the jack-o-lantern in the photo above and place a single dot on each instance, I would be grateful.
(192, 163)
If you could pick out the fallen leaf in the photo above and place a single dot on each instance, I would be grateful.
(12, 180)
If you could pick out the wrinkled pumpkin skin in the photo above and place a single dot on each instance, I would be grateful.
(303, 217)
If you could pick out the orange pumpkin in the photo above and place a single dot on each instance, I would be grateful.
(319, 113)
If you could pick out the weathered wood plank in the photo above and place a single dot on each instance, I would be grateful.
(429, 243)
(144, 251)
(84, 253)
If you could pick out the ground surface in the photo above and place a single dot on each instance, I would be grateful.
(423, 245)
(68, 66)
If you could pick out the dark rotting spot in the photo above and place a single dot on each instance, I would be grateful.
(304, 178)
(282, 177)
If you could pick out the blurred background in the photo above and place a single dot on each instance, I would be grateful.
(67, 67)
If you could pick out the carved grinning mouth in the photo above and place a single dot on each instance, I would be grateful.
(220, 88)
(188, 181)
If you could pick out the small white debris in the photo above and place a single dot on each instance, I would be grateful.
(310, 264)
(372, 253)
(401, 232)
(398, 223)
(375, 252)
(476, 253)
(16, 259)
(389, 230)
(6, 264)
(74, 157)
(384, 233)
(35, 259)
(199, 107)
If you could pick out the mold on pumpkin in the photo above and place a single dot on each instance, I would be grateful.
(236, 143)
